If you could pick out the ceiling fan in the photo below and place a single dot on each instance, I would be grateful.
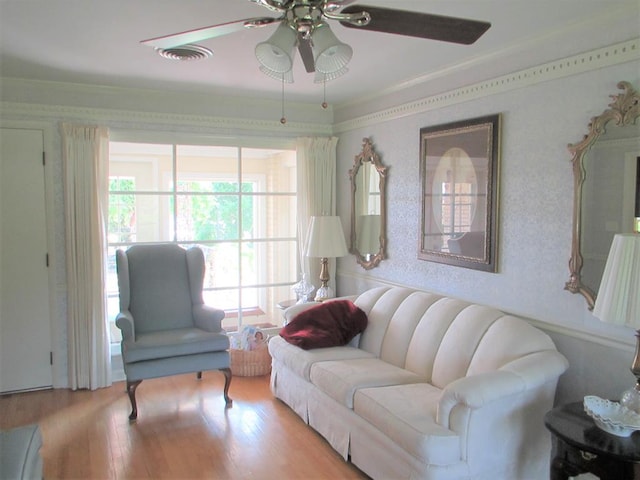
(303, 23)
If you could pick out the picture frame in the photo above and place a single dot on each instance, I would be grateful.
(459, 172)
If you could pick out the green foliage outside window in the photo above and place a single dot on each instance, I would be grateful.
(121, 209)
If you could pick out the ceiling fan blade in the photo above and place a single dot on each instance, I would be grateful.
(422, 25)
(304, 48)
(205, 33)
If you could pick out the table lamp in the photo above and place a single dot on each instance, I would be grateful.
(325, 240)
(618, 299)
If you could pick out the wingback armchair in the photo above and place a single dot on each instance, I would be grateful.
(166, 327)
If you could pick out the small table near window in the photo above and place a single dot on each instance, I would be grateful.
(581, 447)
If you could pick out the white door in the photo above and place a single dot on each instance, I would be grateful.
(25, 328)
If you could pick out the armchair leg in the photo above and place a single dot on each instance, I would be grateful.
(131, 390)
(227, 382)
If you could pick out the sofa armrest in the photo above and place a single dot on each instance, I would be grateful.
(477, 391)
(124, 321)
(291, 312)
(208, 318)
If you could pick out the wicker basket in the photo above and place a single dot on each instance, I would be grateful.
(250, 363)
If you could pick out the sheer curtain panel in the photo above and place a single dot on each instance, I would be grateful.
(316, 194)
(85, 170)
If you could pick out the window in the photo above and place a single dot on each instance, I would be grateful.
(236, 203)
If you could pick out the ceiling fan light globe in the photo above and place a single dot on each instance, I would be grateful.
(277, 52)
(320, 77)
(286, 77)
(330, 54)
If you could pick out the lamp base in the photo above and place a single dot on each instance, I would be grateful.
(631, 398)
(323, 293)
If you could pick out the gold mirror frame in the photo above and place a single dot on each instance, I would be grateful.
(623, 111)
(368, 155)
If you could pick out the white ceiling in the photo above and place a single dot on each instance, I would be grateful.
(97, 42)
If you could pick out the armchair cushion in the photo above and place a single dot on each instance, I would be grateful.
(173, 343)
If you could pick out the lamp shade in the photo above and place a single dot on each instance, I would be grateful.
(326, 238)
(286, 77)
(329, 53)
(618, 299)
(276, 54)
(320, 77)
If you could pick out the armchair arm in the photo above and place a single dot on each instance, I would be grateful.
(477, 391)
(208, 318)
(124, 321)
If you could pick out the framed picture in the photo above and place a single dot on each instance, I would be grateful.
(459, 170)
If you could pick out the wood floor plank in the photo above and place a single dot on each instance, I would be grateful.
(183, 431)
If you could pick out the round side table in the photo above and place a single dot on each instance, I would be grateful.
(581, 447)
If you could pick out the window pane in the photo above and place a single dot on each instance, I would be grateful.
(207, 217)
(209, 164)
(222, 266)
(150, 165)
(274, 168)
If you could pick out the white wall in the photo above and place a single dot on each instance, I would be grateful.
(539, 119)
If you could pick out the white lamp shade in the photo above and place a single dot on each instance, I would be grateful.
(276, 54)
(618, 299)
(329, 53)
(325, 238)
(368, 234)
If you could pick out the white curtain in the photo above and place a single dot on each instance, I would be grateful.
(316, 195)
(85, 169)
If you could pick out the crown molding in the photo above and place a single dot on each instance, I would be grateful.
(109, 116)
(603, 57)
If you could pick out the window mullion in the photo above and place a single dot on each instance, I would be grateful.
(174, 167)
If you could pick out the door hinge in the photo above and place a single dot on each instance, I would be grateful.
(50, 358)
(44, 159)
(47, 260)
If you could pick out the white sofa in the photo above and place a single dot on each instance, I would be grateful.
(434, 388)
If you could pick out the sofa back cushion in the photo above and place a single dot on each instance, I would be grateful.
(442, 339)
(379, 304)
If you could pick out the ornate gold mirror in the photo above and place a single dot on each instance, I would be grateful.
(605, 170)
(368, 211)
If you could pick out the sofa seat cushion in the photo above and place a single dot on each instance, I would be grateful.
(406, 414)
(173, 343)
(341, 379)
(300, 361)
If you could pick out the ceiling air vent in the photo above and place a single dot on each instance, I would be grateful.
(185, 52)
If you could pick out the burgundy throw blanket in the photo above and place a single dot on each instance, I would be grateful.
(330, 324)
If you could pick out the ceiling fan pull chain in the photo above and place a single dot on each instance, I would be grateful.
(324, 92)
(283, 119)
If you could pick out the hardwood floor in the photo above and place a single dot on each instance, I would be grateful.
(183, 431)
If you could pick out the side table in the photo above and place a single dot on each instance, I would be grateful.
(581, 447)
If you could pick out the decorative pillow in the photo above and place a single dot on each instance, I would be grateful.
(330, 324)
